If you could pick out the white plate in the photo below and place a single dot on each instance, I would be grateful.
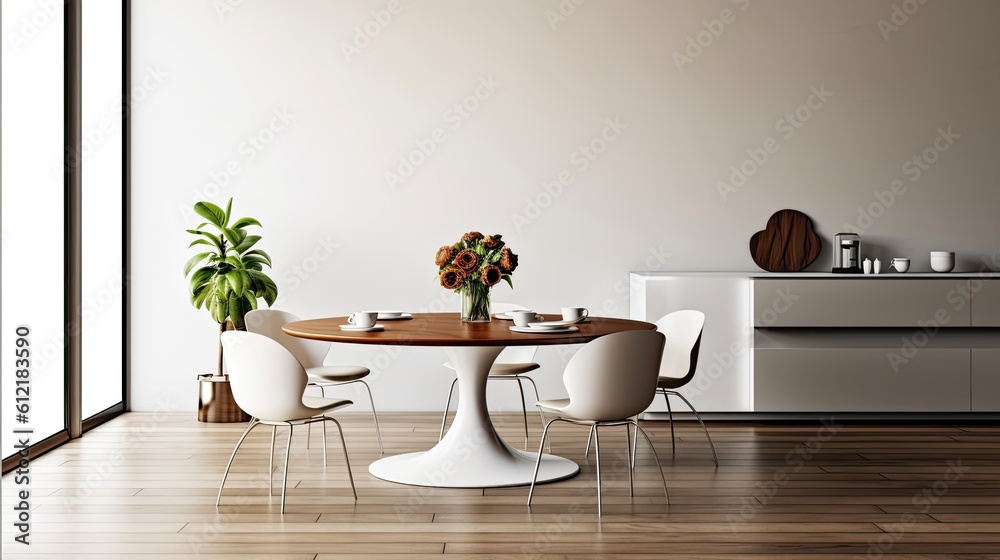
(555, 324)
(376, 328)
(397, 316)
(560, 330)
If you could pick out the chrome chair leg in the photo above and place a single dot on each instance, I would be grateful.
(324, 442)
(538, 398)
(347, 460)
(447, 405)
(253, 423)
(715, 456)
(666, 494)
(270, 464)
(284, 474)
(670, 418)
(378, 431)
(524, 409)
(590, 437)
(597, 455)
(538, 459)
(628, 455)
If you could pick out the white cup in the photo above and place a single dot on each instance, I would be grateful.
(363, 319)
(574, 313)
(522, 317)
(901, 265)
(942, 261)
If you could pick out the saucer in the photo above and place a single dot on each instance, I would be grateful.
(394, 315)
(554, 330)
(555, 324)
(376, 328)
(506, 317)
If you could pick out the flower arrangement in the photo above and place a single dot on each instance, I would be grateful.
(472, 267)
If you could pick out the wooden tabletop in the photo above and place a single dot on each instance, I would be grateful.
(446, 329)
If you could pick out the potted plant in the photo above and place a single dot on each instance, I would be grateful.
(228, 280)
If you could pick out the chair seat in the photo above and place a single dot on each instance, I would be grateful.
(556, 405)
(322, 406)
(336, 374)
(671, 382)
(502, 369)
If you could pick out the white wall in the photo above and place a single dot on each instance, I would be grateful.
(651, 200)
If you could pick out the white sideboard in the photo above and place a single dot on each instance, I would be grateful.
(822, 343)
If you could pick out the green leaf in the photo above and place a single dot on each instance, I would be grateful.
(212, 213)
(235, 279)
(219, 310)
(259, 253)
(509, 281)
(201, 242)
(235, 236)
(270, 288)
(245, 245)
(251, 302)
(215, 239)
(229, 211)
(199, 295)
(244, 222)
(201, 277)
(235, 261)
(194, 261)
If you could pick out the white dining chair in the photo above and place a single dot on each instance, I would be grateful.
(311, 354)
(609, 382)
(510, 365)
(683, 330)
(269, 383)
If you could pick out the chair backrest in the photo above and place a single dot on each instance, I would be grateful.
(683, 330)
(266, 379)
(514, 354)
(614, 377)
(268, 322)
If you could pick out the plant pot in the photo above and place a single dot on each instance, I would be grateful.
(216, 402)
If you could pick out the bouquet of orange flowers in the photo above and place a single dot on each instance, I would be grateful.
(471, 267)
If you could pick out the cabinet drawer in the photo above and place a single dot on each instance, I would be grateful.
(986, 379)
(986, 303)
(859, 302)
(861, 380)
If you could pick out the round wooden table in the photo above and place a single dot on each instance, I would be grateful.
(471, 454)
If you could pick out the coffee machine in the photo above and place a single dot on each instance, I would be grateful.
(847, 253)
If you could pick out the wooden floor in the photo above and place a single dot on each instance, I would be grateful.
(144, 485)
